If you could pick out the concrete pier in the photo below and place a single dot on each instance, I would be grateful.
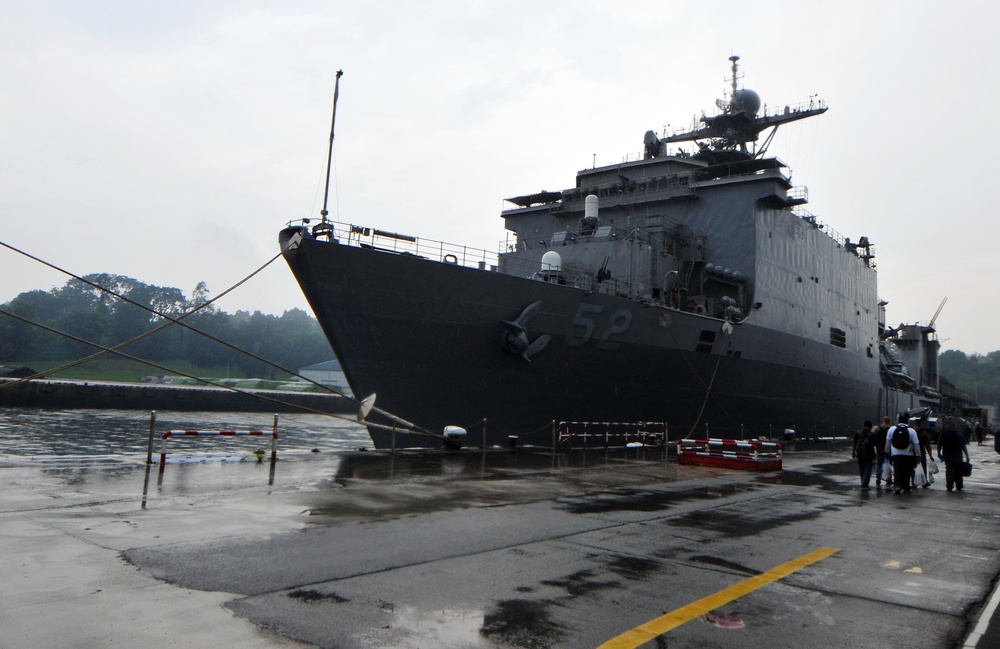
(506, 549)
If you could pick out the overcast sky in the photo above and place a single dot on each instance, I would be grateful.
(171, 141)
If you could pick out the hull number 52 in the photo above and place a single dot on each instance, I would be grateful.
(589, 322)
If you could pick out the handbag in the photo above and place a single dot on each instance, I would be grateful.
(919, 478)
(966, 469)
(932, 467)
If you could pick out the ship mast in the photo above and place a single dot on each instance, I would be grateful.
(329, 155)
(739, 122)
(734, 58)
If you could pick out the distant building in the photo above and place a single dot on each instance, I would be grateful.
(22, 372)
(954, 399)
(327, 373)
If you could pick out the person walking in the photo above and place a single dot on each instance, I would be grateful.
(880, 436)
(863, 450)
(952, 450)
(926, 449)
(901, 445)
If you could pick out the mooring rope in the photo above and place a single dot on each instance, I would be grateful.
(708, 387)
(409, 426)
(166, 324)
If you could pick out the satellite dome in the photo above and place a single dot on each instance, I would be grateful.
(747, 101)
(551, 261)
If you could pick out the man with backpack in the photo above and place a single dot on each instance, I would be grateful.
(863, 450)
(902, 444)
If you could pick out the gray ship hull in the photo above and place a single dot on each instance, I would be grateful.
(428, 339)
(690, 289)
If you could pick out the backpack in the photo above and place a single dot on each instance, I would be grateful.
(865, 449)
(901, 437)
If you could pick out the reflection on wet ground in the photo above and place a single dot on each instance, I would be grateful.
(378, 484)
(384, 485)
(438, 628)
(520, 623)
(473, 462)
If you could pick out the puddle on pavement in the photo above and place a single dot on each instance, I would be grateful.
(382, 485)
(637, 500)
(439, 628)
(315, 596)
(820, 476)
(632, 567)
(521, 623)
(744, 523)
(581, 582)
(473, 463)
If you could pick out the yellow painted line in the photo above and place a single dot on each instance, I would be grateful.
(646, 632)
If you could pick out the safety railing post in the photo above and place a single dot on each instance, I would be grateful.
(274, 441)
(149, 447)
(163, 450)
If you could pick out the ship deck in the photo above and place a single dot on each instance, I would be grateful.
(506, 549)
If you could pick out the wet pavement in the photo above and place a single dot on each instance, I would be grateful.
(358, 550)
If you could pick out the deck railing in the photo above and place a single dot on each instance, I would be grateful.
(366, 237)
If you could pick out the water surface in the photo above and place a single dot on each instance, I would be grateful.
(29, 432)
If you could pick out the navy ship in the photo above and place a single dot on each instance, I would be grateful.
(689, 287)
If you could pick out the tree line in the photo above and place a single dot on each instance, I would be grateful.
(292, 340)
(977, 374)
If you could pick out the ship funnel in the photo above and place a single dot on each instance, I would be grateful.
(590, 219)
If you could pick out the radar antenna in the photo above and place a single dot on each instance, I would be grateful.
(739, 121)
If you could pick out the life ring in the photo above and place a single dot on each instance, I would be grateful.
(451, 259)
(692, 303)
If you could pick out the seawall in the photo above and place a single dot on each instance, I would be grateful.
(70, 394)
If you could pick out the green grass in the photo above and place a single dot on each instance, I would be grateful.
(123, 369)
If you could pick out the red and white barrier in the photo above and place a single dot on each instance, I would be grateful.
(225, 433)
(730, 453)
(588, 434)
